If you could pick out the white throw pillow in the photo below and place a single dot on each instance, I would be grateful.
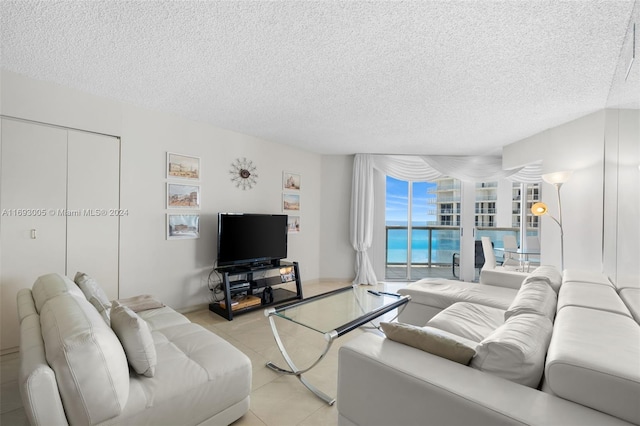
(534, 297)
(135, 335)
(91, 288)
(516, 350)
(548, 273)
(432, 340)
(105, 312)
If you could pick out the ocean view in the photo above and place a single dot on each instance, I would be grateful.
(443, 245)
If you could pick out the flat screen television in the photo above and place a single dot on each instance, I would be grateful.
(249, 239)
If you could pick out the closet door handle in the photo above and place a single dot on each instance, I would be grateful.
(33, 234)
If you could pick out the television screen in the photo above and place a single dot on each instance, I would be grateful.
(246, 239)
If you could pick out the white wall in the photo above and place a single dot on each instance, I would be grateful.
(176, 271)
(337, 257)
(578, 146)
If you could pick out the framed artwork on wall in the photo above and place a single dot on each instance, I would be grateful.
(183, 226)
(293, 224)
(181, 196)
(291, 181)
(181, 166)
(290, 202)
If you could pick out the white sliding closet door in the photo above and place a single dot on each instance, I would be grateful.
(32, 189)
(93, 192)
(55, 186)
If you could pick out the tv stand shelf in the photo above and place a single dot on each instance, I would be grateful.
(244, 283)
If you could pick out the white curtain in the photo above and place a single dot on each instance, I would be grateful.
(421, 169)
(362, 217)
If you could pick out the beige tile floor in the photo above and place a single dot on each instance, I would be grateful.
(276, 399)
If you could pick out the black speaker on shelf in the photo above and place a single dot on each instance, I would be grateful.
(267, 296)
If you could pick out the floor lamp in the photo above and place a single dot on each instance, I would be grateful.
(539, 209)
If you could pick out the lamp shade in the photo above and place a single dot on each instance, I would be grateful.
(557, 177)
(538, 209)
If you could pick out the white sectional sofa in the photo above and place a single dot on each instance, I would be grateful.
(567, 354)
(159, 369)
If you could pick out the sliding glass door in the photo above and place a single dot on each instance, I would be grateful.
(421, 228)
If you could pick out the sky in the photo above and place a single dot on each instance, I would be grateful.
(397, 202)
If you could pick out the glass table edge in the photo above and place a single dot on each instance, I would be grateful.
(276, 310)
(344, 328)
(368, 317)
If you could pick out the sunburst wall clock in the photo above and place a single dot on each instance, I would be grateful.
(243, 173)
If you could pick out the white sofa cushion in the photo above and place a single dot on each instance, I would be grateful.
(89, 363)
(547, 273)
(52, 285)
(135, 336)
(585, 276)
(534, 297)
(516, 350)
(631, 297)
(593, 360)
(198, 373)
(160, 318)
(432, 340)
(142, 302)
(594, 296)
(441, 293)
(627, 282)
(468, 320)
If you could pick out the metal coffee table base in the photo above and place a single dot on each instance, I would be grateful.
(295, 371)
(346, 309)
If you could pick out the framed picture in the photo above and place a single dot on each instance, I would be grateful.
(183, 226)
(291, 181)
(293, 224)
(290, 202)
(183, 166)
(287, 274)
(181, 196)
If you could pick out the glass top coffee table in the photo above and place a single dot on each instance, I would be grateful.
(332, 314)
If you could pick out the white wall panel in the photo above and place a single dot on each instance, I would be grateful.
(337, 257)
(94, 201)
(32, 230)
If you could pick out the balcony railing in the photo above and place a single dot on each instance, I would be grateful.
(430, 245)
(451, 199)
(434, 245)
(486, 197)
(434, 212)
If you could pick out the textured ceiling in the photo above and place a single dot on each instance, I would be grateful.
(421, 77)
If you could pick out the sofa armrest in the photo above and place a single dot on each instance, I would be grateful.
(37, 381)
(502, 277)
(382, 382)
